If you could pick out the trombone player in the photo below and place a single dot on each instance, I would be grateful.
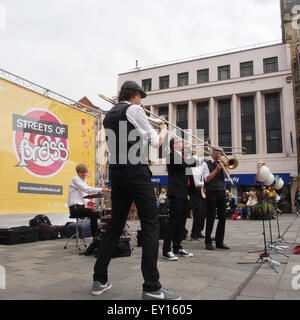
(131, 181)
(214, 179)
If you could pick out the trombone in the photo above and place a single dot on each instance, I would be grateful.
(231, 163)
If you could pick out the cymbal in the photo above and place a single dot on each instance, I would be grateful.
(97, 195)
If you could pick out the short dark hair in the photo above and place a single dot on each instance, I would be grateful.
(127, 94)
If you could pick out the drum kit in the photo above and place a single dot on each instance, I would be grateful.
(103, 206)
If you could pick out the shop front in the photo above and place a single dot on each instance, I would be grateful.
(242, 183)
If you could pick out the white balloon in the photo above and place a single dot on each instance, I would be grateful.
(269, 180)
(263, 173)
(279, 184)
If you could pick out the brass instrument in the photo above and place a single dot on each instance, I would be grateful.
(155, 120)
(231, 163)
(203, 193)
(224, 167)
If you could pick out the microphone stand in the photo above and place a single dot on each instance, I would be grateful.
(279, 239)
(273, 244)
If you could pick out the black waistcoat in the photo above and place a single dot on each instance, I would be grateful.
(124, 149)
(218, 182)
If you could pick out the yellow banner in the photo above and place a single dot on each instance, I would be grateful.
(41, 142)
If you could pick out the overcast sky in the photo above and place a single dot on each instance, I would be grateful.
(78, 47)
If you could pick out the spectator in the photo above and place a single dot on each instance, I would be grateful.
(242, 206)
(252, 201)
(297, 201)
(227, 195)
(132, 212)
(230, 205)
(162, 202)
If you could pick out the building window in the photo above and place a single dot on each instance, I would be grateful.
(271, 65)
(246, 69)
(146, 84)
(202, 75)
(273, 123)
(224, 123)
(183, 79)
(203, 119)
(164, 82)
(163, 112)
(182, 118)
(248, 124)
(224, 72)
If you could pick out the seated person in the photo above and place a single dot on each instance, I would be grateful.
(252, 201)
(230, 205)
(162, 202)
(242, 206)
(79, 188)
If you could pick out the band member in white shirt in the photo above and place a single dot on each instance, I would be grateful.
(215, 186)
(79, 188)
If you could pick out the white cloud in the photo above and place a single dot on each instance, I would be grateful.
(77, 48)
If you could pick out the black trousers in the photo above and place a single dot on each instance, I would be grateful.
(199, 214)
(132, 183)
(215, 202)
(176, 224)
(79, 211)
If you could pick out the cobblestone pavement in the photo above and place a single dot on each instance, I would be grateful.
(44, 270)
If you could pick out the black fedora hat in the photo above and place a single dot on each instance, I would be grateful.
(129, 84)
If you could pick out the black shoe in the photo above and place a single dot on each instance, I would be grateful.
(222, 246)
(201, 236)
(209, 247)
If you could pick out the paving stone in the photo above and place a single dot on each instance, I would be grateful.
(44, 270)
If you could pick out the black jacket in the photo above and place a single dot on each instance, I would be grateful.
(192, 189)
(178, 178)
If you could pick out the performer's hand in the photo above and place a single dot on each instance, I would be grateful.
(106, 190)
(219, 167)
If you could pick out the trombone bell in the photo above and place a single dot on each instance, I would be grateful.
(232, 163)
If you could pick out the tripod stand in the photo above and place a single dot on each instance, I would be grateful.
(265, 257)
(279, 239)
(127, 233)
(272, 245)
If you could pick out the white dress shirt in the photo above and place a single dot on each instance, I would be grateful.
(205, 170)
(79, 188)
(197, 174)
(137, 117)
